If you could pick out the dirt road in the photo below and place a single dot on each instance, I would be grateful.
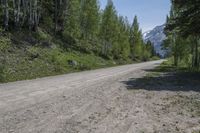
(95, 101)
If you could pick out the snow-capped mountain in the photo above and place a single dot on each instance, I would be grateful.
(156, 36)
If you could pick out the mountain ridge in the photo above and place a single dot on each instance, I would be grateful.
(156, 36)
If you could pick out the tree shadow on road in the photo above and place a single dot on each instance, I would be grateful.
(166, 79)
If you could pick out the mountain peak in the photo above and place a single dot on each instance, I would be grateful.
(156, 36)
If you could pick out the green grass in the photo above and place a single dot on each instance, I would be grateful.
(25, 55)
(30, 56)
(30, 62)
(152, 74)
(168, 66)
(5, 43)
(196, 132)
(34, 62)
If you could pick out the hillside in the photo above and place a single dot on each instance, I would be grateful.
(30, 56)
(42, 38)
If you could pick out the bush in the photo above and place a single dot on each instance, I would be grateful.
(146, 56)
(67, 38)
(155, 58)
(169, 62)
(4, 43)
(42, 36)
(1, 73)
(34, 52)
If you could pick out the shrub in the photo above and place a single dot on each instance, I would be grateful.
(4, 43)
(42, 36)
(69, 42)
(146, 56)
(155, 58)
(34, 53)
(1, 73)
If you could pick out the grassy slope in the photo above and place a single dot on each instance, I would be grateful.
(24, 56)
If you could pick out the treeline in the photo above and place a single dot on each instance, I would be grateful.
(183, 33)
(80, 24)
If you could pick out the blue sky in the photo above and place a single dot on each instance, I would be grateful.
(150, 13)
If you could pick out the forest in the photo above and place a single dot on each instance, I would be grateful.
(183, 34)
(48, 37)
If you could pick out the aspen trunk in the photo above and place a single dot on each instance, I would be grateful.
(16, 12)
(56, 15)
(5, 14)
(196, 54)
(59, 14)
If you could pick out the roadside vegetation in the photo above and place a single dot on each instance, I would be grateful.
(42, 38)
(183, 34)
(168, 77)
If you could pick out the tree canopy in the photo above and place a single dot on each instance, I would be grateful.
(183, 32)
(80, 23)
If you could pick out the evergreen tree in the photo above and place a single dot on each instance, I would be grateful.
(89, 18)
(136, 40)
(76, 24)
(72, 20)
(150, 48)
(183, 23)
(109, 29)
(122, 47)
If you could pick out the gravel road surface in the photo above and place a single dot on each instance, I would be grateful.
(96, 101)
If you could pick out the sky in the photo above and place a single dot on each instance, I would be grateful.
(151, 13)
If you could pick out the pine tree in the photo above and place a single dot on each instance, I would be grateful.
(108, 30)
(123, 38)
(89, 18)
(150, 48)
(136, 40)
(72, 19)
(77, 24)
(183, 22)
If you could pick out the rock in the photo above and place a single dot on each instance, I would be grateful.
(114, 63)
(72, 62)
(11, 131)
(164, 125)
(177, 129)
(46, 44)
(31, 40)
